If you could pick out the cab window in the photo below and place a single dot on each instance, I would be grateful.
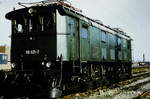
(84, 32)
(18, 25)
(34, 23)
(104, 36)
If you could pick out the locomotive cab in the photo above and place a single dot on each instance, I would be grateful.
(33, 51)
(33, 36)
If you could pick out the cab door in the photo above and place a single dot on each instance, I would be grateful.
(84, 41)
(73, 38)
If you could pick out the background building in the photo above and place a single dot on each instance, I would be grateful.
(5, 57)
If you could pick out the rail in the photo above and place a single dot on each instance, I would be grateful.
(145, 94)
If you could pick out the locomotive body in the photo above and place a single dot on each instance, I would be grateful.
(55, 49)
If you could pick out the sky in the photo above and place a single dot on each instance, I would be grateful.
(130, 15)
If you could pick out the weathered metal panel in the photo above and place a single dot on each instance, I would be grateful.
(61, 36)
(129, 51)
(73, 38)
(104, 45)
(111, 46)
(104, 53)
(62, 46)
(84, 49)
(120, 55)
(112, 40)
(95, 43)
(61, 23)
(126, 51)
(112, 54)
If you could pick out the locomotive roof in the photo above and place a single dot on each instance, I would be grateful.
(63, 9)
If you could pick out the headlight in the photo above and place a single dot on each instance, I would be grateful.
(43, 63)
(13, 65)
(48, 64)
(31, 11)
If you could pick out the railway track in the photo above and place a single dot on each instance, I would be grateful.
(145, 95)
(132, 88)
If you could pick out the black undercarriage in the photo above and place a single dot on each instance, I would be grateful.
(65, 78)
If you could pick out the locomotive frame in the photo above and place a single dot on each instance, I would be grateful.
(55, 49)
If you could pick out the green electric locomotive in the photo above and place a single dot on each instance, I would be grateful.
(55, 49)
